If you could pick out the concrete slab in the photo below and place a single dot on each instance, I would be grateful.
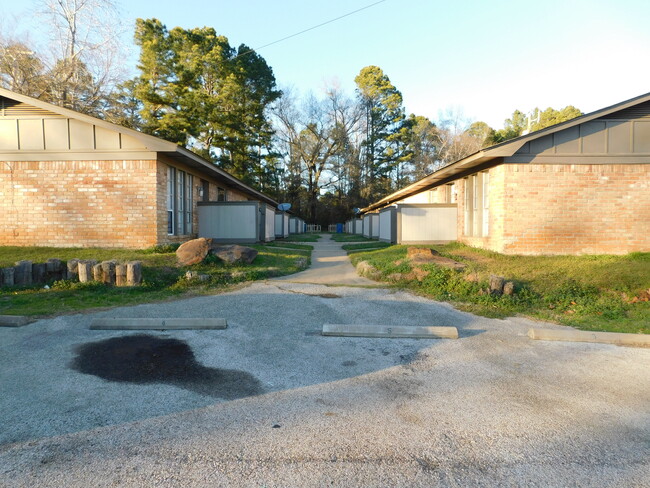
(391, 331)
(330, 265)
(14, 320)
(639, 340)
(157, 323)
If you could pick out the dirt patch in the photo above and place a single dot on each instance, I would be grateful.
(144, 359)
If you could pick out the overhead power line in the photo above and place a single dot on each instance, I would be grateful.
(313, 27)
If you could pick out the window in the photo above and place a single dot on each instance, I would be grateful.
(179, 202)
(477, 205)
(486, 203)
(171, 199)
(221, 194)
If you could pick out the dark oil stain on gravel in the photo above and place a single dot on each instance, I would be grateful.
(144, 359)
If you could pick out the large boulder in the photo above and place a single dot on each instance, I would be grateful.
(424, 255)
(194, 251)
(234, 254)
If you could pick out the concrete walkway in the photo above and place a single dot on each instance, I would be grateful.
(330, 265)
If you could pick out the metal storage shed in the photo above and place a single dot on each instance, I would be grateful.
(367, 225)
(388, 225)
(235, 222)
(418, 223)
(358, 226)
(281, 224)
(374, 225)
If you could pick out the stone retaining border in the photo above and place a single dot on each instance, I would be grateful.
(390, 331)
(617, 338)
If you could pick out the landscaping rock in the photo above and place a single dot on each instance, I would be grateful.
(509, 288)
(39, 271)
(73, 271)
(55, 269)
(97, 272)
(424, 255)
(108, 272)
(23, 273)
(134, 273)
(364, 268)
(85, 270)
(194, 275)
(496, 284)
(7, 276)
(120, 275)
(194, 251)
(233, 254)
(425, 252)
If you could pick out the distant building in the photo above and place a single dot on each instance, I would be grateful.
(579, 187)
(68, 179)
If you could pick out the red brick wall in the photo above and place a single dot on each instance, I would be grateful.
(91, 203)
(566, 209)
(78, 203)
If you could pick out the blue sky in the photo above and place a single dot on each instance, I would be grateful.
(485, 58)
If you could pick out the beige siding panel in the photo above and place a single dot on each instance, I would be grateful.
(56, 134)
(618, 137)
(385, 226)
(358, 226)
(106, 139)
(129, 142)
(593, 137)
(269, 227)
(422, 224)
(81, 135)
(237, 222)
(374, 226)
(543, 145)
(8, 135)
(30, 132)
(567, 141)
(366, 225)
(641, 137)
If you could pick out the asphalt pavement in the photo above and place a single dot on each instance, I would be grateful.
(269, 402)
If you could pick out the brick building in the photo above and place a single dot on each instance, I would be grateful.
(579, 187)
(68, 179)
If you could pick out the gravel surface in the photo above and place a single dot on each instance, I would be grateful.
(269, 402)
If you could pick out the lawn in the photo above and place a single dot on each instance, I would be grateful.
(289, 245)
(365, 245)
(300, 238)
(162, 278)
(603, 293)
(351, 238)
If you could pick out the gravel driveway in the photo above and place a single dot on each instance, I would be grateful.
(270, 402)
(273, 403)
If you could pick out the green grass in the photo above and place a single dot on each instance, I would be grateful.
(301, 238)
(289, 245)
(350, 238)
(586, 292)
(162, 279)
(366, 245)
